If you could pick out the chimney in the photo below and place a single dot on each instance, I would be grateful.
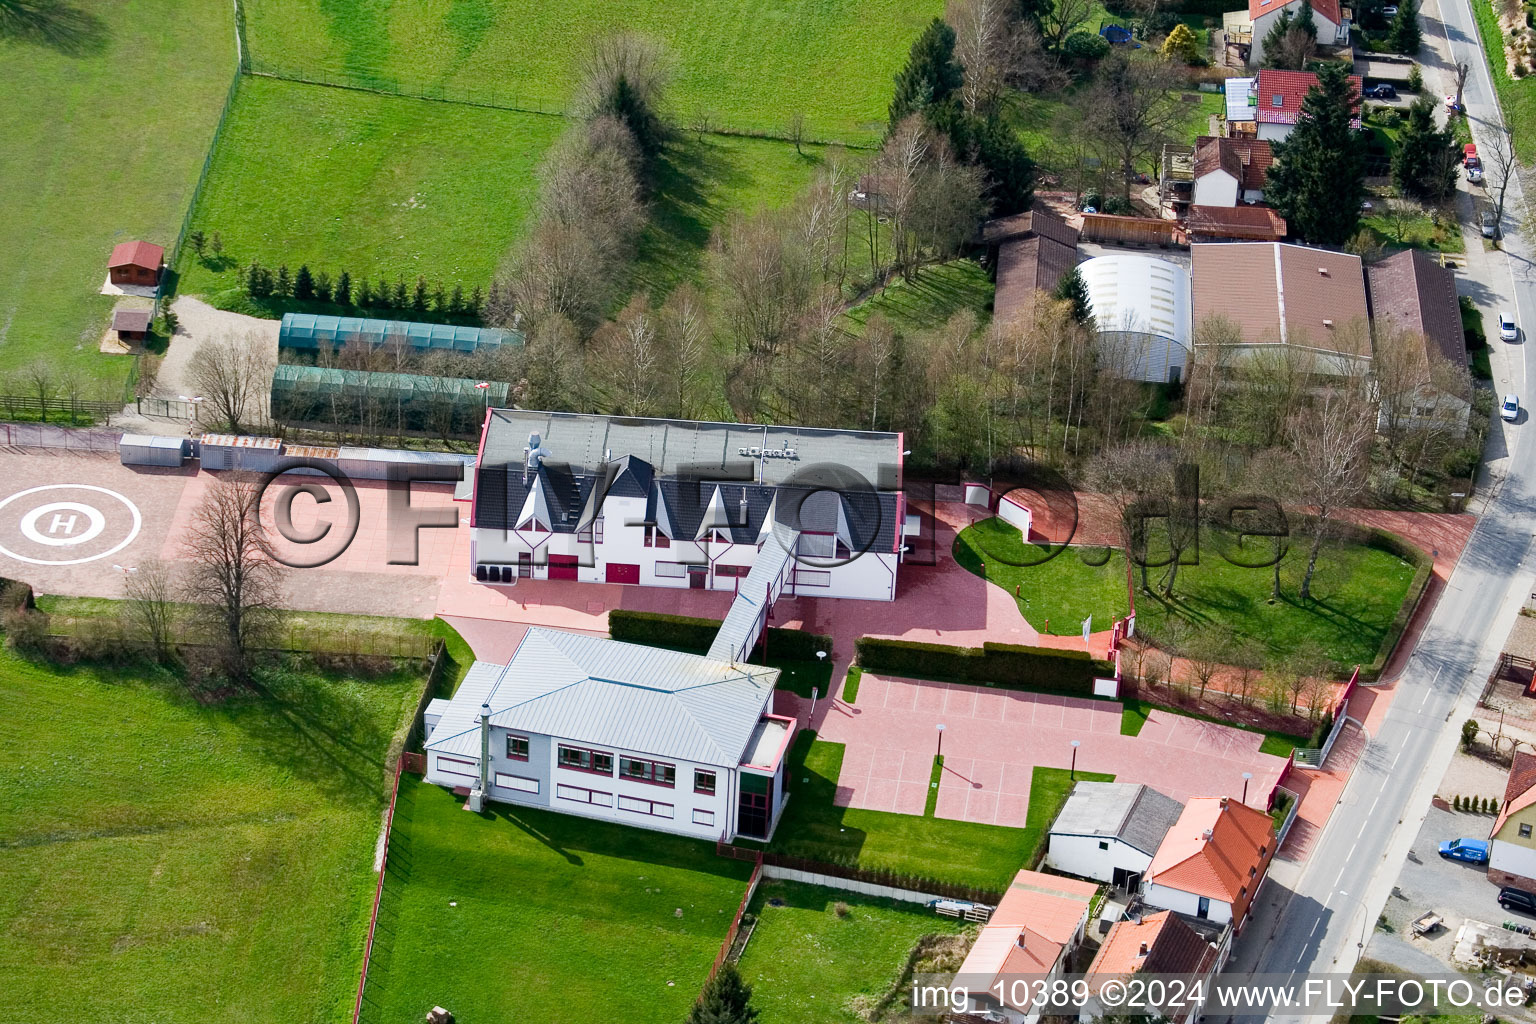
(1021, 938)
(1207, 835)
(1143, 951)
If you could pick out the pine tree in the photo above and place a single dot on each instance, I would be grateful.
(216, 245)
(725, 1000)
(419, 296)
(456, 300)
(401, 298)
(284, 286)
(1424, 165)
(255, 281)
(439, 301)
(1404, 35)
(1074, 289)
(382, 292)
(1317, 181)
(364, 294)
(323, 287)
(1456, 803)
(1181, 44)
(931, 75)
(304, 284)
(343, 294)
(198, 241)
(476, 301)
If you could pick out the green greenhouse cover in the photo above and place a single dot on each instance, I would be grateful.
(291, 377)
(311, 331)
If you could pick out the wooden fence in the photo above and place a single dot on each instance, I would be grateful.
(378, 894)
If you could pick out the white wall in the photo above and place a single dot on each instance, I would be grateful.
(1011, 511)
(1512, 857)
(1182, 902)
(1218, 188)
(1274, 132)
(1080, 855)
(1328, 34)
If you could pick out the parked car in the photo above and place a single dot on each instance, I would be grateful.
(1475, 175)
(1381, 92)
(1490, 224)
(1511, 898)
(1473, 851)
(1507, 329)
(1389, 11)
(1469, 155)
(1510, 409)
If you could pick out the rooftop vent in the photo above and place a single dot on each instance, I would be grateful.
(1144, 950)
(1323, 271)
(1327, 322)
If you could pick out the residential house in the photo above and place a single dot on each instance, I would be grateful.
(1036, 926)
(135, 263)
(1235, 224)
(1333, 20)
(1032, 251)
(1212, 861)
(1278, 96)
(1155, 944)
(1285, 298)
(1241, 103)
(1110, 831)
(1512, 852)
(1230, 170)
(1412, 292)
(602, 729)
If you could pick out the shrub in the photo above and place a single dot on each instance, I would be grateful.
(1415, 79)
(840, 908)
(1456, 803)
(1085, 46)
(1009, 665)
(656, 629)
(26, 629)
(1469, 730)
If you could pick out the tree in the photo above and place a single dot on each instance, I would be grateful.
(985, 43)
(1205, 653)
(1500, 164)
(283, 286)
(684, 326)
(796, 131)
(1317, 181)
(419, 296)
(1181, 45)
(990, 144)
(234, 581)
(726, 999)
(232, 372)
(625, 77)
(1131, 110)
(931, 74)
(1291, 41)
(626, 360)
(1461, 72)
(304, 284)
(1331, 441)
(216, 246)
(934, 203)
(1061, 19)
(1074, 290)
(198, 241)
(1404, 34)
(1424, 165)
(324, 288)
(149, 606)
(399, 297)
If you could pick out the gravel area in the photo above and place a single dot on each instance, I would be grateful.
(199, 322)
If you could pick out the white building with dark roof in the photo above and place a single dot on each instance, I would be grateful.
(684, 504)
(1110, 831)
(603, 729)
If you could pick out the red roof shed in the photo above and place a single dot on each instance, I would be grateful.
(136, 263)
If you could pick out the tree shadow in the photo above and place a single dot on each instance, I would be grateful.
(52, 23)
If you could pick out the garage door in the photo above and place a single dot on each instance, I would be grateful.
(562, 567)
(618, 572)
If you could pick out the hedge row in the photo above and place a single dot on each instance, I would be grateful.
(1009, 665)
(656, 629)
(1424, 567)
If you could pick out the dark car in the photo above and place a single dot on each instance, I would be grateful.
(1381, 92)
(1511, 898)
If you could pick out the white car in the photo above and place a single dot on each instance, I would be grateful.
(1510, 410)
(1507, 329)
(1475, 175)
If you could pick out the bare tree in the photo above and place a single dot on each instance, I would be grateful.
(552, 375)
(796, 130)
(765, 281)
(625, 76)
(933, 201)
(1500, 163)
(684, 326)
(1268, 385)
(984, 46)
(1131, 109)
(150, 606)
(1461, 72)
(1331, 441)
(627, 361)
(234, 580)
(42, 383)
(233, 374)
(1061, 19)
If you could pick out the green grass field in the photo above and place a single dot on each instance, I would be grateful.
(557, 917)
(958, 852)
(1356, 593)
(750, 66)
(166, 860)
(380, 185)
(805, 963)
(1516, 96)
(127, 124)
(926, 303)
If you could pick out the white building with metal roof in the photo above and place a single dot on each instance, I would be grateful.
(1110, 831)
(1141, 307)
(604, 729)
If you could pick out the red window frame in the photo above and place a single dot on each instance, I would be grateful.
(707, 814)
(732, 571)
(560, 760)
(714, 782)
(654, 767)
(514, 756)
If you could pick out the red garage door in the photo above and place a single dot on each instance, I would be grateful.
(562, 567)
(618, 572)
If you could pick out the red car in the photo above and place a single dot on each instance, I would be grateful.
(1469, 156)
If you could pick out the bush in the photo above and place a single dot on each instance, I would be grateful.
(840, 908)
(1415, 79)
(1085, 46)
(26, 629)
(1519, 69)
(1456, 803)
(655, 629)
(1469, 730)
(1009, 665)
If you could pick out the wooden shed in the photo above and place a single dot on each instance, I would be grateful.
(136, 263)
(131, 324)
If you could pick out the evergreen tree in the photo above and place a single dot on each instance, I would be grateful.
(1074, 289)
(439, 301)
(304, 284)
(456, 300)
(284, 286)
(254, 281)
(198, 241)
(364, 294)
(1181, 44)
(323, 287)
(401, 298)
(931, 75)
(419, 296)
(990, 144)
(216, 246)
(381, 293)
(1424, 165)
(476, 301)
(1404, 34)
(725, 1000)
(1317, 181)
(343, 293)
(1281, 50)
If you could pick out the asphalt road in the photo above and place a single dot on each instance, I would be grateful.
(1348, 878)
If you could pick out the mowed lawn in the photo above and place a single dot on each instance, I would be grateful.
(941, 849)
(537, 917)
(166, 860)
(750, 66)
(1356, 593)
(98, 147)
(381, 185)
(806, 964)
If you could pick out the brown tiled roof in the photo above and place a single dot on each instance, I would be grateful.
(1038, 221)
(1279, 293)
(131, 320)
(136, 254)
(1026, 267)
(1411, 291)
(1246, 223)
(1522, 775)
(1211, 155)
(1253, 156)
(1173, 947)
(1219, 849)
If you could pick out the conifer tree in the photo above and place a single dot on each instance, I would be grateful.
(1317, 181)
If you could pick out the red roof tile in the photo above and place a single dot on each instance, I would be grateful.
(1219, 849)
(136, 254)
(1246, 223)
(1252, 157)
(1327, 9)
(1413, 292)
(1280, 94)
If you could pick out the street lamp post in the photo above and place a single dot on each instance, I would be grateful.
(1246, 777)
(1075, 744)
(940, 752)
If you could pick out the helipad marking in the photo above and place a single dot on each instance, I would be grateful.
(59, 530)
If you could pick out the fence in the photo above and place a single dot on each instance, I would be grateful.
(835, 873)
(293, 640)
(56, 438)
(741, 909)
(165, 408)
(378, 894)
